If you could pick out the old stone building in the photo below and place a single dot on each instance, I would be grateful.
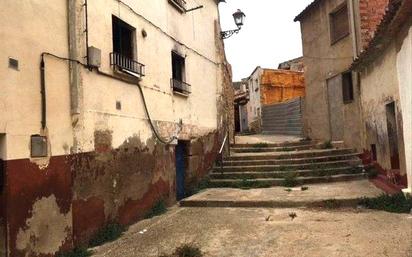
(103, 113)
(359, 104)
(385, 73)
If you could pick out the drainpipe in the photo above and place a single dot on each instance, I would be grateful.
(43, 93)
(354, 22)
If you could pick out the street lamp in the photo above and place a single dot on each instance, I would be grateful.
(239, 18)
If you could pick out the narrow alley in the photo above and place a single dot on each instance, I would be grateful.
(206, 128)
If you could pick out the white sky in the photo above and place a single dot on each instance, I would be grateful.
(268, 37)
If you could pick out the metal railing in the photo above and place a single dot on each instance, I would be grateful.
(124, 63)
(180, 86)
(179, 3)
(220, 157)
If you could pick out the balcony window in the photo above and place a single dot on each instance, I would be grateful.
(124, 54)
(180, 5)
(178, 75)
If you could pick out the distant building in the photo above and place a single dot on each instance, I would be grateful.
(241, 97)
(278, 86)
(293, 65)
(254, 105)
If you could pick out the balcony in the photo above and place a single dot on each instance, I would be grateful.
(180, 5)
(124, 63)
(180, 87)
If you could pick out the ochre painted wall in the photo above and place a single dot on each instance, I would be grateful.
(281, 85)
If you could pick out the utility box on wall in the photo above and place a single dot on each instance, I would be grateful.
(38, 146)
(94, 56)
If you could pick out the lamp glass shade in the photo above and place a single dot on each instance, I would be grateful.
(239, 18)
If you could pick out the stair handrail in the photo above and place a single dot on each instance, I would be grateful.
(222, 147)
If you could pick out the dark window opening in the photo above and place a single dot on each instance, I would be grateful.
(374, 153)
(178, 67)
(339, 24)
(178, 75)
(122, 38)
(347, 87)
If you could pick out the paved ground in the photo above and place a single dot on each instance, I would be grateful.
(279, 197)
(254, 139)
(241, 232)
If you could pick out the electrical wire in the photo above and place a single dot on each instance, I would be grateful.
(163, 141)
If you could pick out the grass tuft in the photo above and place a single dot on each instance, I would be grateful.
(259, 145)
(76, 252)
(326, 145)
(107, 234)
(187, 250)
(289, 180)
(391, 203)
(158, 209)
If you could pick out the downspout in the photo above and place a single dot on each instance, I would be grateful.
(43, 93)
(353, 16)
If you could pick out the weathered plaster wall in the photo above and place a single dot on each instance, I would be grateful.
(103, 163)
(324, 60)
(404, 70)
(379, 86)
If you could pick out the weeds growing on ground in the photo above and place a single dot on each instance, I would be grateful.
(186, 250)
(391, 203)
(326, 145)
(258, 145)
(108, 233)
(76, 252)
(331, 204)
(289, 180)
(158, 209)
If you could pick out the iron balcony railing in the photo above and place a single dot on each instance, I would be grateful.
(180, 86)
(124, 63)
(179, 3)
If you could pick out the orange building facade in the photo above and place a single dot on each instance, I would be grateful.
(278, 86)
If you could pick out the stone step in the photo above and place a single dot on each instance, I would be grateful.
(282, 133)
(296, 143)
(272, 149)
(340, 194)
(269, 182)
(283, 122)
(289, 155)
(279, 115)
(291, 167)
(282, 128)
(292, 161)
(217, 174)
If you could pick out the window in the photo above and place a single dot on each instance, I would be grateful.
(123, 38)
(339, 24)
(178, 74)
(347, 87)
(123, 56)
(180, 5)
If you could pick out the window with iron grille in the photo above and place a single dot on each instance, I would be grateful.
(123, 56)
(339, 24)
(347, 87)
(180, 5)
(178, 74)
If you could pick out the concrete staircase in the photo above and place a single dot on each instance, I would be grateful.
(265, 165)
(283, 119)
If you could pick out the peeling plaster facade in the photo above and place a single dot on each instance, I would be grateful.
(404, 70)
(103, 161)
(326, 116)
